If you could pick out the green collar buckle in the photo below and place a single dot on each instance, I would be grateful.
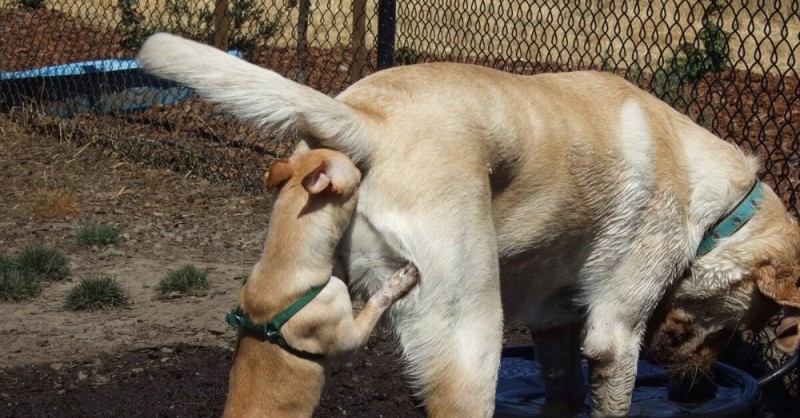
(272, 329)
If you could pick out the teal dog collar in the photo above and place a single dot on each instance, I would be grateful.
(734, 220)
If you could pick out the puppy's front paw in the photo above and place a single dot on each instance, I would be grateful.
(401, 282)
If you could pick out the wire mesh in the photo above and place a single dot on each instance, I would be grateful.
(730, 65)
(106, 99)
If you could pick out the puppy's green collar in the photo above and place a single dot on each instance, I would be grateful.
(734, 220)
(272, 329)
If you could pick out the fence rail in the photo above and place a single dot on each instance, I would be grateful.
(729, 65)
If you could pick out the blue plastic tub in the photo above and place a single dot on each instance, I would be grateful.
(110, 85)
(520, 391)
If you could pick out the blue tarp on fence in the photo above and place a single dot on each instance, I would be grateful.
(110, 85)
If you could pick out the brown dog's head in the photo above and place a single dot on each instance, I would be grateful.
(739, 285)
(317, 171)
(320, 183)
(315, 197)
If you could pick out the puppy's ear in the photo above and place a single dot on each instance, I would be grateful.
(317, 181)
(336, 174)
(787, 337)
(778, 284)
(279, 172)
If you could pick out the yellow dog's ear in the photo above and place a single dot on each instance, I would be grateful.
(781, 285)
(279, 172)
(778, 284)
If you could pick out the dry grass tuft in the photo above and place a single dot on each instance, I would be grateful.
(55, 202)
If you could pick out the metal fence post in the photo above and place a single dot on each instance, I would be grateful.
(303, 8)
(386, 30)
(358, 40)
(222, 22)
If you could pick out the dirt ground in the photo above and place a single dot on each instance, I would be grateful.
(159, 357)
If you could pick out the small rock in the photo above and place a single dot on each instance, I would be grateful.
(164, 359)
(166, 350)
(57, 366)
(137, 370)
(82, 375)
(113, 252)
(171, 295)
(217, 330)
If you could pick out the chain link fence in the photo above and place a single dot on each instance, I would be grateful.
(86, 86)
(729, 65)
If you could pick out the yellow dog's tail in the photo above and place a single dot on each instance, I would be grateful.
(258, 95)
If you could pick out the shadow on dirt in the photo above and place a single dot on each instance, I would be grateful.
(191, 381)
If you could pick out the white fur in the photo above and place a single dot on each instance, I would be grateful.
(715, 186)
(637, 142)
(241, 88)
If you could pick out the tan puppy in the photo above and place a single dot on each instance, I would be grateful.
(316, 200)
(562, 202)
